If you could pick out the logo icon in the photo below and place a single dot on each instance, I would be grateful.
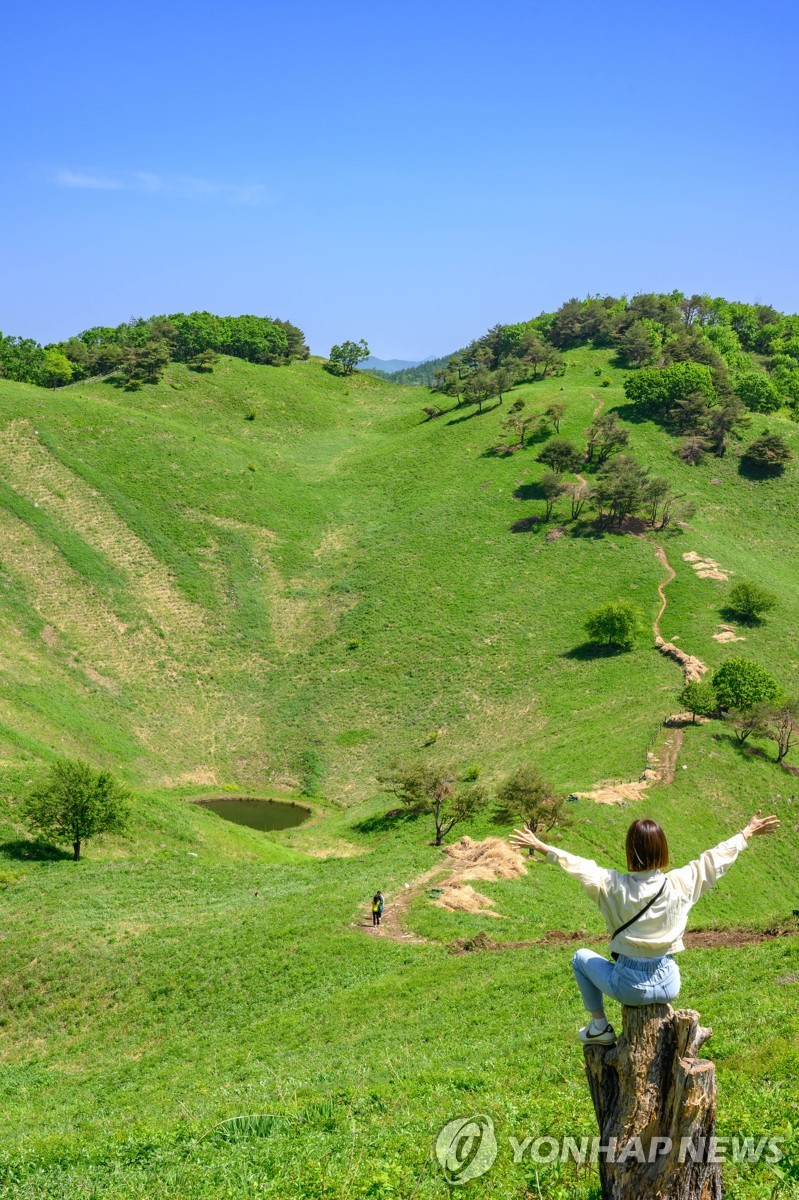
(466, 1148)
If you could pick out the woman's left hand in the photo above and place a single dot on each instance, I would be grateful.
(525, 837)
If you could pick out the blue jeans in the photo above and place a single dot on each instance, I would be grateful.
(633, 981)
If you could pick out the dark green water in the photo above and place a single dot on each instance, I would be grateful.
(258, 814)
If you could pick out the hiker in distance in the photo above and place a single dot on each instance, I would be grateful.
(377, 907)
(645, 911)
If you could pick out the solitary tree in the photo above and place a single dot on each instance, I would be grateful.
(741, 684)
(617, 623)
(699, 698)
(75, 802)
(528, 797)
(781, 723)
(555, 412)
(750, 601)
(344, 359)
(517, 424)
(551, 487)
(561, 455)
(437, 793)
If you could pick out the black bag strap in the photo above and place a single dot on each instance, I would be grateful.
(639, 914)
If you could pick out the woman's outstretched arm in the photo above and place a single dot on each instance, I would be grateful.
(584, 870)
(699, 876)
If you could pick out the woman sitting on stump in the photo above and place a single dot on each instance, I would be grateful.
(646, 912)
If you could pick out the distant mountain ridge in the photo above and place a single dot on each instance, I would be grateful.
(388, 365)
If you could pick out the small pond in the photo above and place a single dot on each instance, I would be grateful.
(258, 814)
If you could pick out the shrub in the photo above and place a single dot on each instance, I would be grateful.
(749, 600)
(528, 797)
(699, 698)
(769, 453)
(741, 684)
(617, 623)
(561, 455)
(758, 392)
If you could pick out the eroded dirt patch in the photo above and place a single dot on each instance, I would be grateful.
(706, 568)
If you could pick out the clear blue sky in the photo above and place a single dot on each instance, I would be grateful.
(409, 173)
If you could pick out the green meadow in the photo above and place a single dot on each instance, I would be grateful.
(214, 581)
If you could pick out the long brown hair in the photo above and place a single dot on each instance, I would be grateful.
(647, 848)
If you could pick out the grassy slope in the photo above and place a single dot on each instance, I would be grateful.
(198, 624)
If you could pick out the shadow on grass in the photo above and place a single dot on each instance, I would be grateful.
(384, 822)
(756, 474)
(751, 622)
(528, 525)
(529, 491)
(587, 651)
(474, 412)
(34, 851)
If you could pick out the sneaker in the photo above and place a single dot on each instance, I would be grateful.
(606, 1038)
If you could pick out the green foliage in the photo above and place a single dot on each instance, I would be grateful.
(617, 623)
(699, 697)
(435, 792)
(769, 454)
(552, 486)
(758, 392)
(656, 390)
(526, 796)
(140, 349)
(56, 369)
(750, 601)
(780, 723)
(75, 802)
(344, 359)
(118, 1015)
(561, 454)
(606, 436)
(742, 684)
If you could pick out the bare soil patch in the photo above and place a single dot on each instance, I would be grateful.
(695, 939)
(706, 568)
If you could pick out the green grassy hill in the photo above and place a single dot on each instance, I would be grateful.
(199, 597)
(206, 579)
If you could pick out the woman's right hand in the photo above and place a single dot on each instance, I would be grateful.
(525, 837)
(761, 825)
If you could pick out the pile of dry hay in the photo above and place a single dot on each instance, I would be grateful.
(473, 861)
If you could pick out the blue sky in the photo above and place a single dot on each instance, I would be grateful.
(410, 174)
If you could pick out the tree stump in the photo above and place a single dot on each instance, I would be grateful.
(655, 1104)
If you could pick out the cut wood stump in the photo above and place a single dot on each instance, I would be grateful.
(655, 1105)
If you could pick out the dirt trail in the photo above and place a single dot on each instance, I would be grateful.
(599, 406)
(462, 863)
(660, 766)
(693, 668)
(493, 858)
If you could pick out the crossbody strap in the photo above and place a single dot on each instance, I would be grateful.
(639, 914)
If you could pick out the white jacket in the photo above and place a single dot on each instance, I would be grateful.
(659, 931)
